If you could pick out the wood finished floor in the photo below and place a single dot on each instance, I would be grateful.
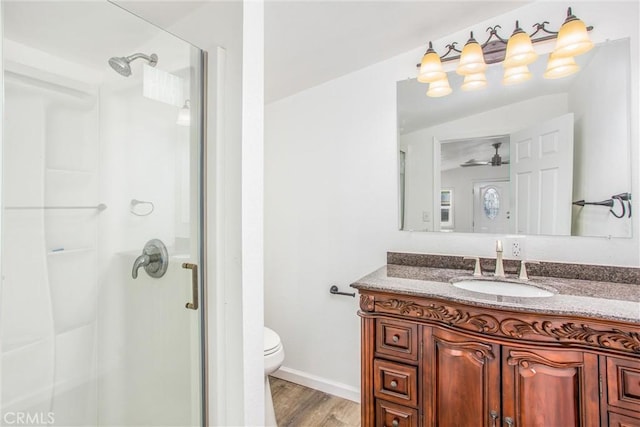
(298, 406)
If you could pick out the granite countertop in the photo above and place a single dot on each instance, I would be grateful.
(595, 299)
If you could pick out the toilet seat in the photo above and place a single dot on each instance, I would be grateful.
(273, 358)
(272, 342)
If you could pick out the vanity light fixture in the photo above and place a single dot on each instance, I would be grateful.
(519, 49)
(439, 88)
(516, 53)
(431, 67)
(515, 75)
(559, 67)
(573, 39)
(474, 82)
(471, 58)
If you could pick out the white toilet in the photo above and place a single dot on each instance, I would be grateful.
(273, 358)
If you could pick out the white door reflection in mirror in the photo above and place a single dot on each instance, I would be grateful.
(541, 174)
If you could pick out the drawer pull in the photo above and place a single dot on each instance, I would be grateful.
(394, 384)
(509, 421)
(395, 338)
(395, 422)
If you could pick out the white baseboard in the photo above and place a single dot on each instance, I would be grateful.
(318, 383)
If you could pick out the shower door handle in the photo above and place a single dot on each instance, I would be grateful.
(194, 285)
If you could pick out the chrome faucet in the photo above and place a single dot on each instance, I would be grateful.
(499, 265)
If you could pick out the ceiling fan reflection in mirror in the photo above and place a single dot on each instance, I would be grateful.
(496, 160)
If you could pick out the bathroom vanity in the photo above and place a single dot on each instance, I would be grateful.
(437, 355)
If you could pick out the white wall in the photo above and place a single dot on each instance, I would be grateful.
(418, 180)
(331, 198)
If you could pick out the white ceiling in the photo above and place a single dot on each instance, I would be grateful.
(310, 42)
(454, 153)
(88, 32)
(307, 42)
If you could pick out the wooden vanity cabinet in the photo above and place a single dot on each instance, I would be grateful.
(428, 362)
(469, 382)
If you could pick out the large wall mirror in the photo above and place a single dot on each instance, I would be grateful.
(524, 159)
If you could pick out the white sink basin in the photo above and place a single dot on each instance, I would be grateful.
(507, 289)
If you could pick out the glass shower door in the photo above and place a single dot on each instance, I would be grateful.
(101, 219)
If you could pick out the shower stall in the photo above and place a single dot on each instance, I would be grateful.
(101, 320)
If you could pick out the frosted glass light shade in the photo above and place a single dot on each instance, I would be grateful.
(471, 59)
(474, 82)
(559, 67)
(439, 88)
(519, 50)
(515, 75)
(573, 38)
(431, 67)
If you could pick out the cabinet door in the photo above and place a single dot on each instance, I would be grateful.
(461, 378)
(549, 388)
(617, 420)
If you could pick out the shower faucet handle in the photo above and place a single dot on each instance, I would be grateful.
(154, 260)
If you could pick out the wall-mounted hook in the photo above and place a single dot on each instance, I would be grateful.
(133, 207)
(624, 210)
(624, 197)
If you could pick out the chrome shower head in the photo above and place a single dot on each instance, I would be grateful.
(122, 64)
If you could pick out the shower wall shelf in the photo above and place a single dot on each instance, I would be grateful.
(62, 251)
(99, 207)
(71, 171)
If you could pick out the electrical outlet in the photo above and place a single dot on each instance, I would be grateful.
(516, 250)
(426, 216)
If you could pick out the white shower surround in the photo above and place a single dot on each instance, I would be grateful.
(66, 337)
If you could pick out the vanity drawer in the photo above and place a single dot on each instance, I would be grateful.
(623, 383)
(395, 382)
(392, 415)
(397, 339)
